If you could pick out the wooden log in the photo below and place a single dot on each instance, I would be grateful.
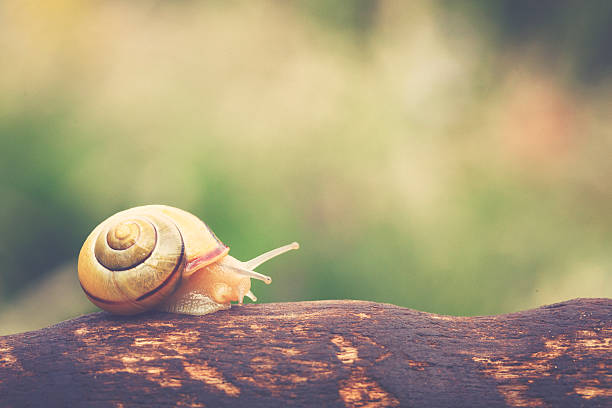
(329, 353)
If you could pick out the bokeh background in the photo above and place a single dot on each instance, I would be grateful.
(452, 157)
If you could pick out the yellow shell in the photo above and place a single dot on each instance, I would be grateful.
(136, 258)
(161, 257)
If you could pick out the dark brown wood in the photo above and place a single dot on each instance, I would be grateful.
(330, 353)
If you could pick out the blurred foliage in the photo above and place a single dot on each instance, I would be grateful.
(557, 27)
(353, 18)
(452, 157)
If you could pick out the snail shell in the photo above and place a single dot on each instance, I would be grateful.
(164, 258)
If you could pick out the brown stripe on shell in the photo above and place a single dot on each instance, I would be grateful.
(169, 278)
(97, 299)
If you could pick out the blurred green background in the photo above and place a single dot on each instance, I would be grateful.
(452, 157)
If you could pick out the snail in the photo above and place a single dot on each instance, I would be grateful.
(157, 257)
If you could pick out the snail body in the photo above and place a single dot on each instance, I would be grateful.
(157, 257)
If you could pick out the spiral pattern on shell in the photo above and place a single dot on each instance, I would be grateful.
(132, 261)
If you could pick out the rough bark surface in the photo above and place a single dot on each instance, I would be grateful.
(331, 353)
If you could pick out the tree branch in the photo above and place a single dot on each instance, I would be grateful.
(330, 353)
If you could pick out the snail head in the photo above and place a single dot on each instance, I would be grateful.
(228, 280)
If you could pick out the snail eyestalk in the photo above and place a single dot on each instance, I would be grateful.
(246, 268)
(255, 262)
(250, 274)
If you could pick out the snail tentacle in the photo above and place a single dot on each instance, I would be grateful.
(258, 260)
(251, 296)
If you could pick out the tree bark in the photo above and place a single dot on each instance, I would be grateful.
(329, 353)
